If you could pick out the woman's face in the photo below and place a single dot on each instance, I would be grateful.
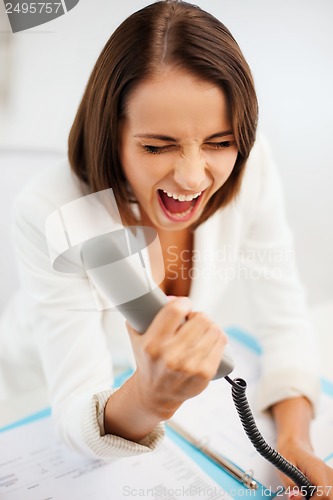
(177, 147)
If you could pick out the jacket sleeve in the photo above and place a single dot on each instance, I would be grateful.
(68, 332)
(277, 299)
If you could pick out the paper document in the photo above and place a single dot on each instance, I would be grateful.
(35, 466)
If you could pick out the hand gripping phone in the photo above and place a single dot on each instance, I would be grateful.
(115, 264)
(109, 262)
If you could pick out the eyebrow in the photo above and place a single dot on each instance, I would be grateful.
(167, 138)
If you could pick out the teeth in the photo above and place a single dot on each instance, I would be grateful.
(182, 197)
(182, 214)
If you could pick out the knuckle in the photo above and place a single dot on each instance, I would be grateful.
(221, 334)
(199, 371)
(179, 366)
(201, 320)
(201, 316)
(173, 366)
(152, 349)
(172, 309)
(215, 330)
(204, 374)
(177, 369)
(223, 339)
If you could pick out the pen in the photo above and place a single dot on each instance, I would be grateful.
(241, 476)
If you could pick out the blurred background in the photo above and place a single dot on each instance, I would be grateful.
(289, 46)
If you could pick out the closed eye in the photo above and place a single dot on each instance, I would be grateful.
(220, 145)
(155, 150)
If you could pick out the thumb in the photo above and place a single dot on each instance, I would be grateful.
(131, 331)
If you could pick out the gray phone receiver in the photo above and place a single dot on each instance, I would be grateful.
(108, 262)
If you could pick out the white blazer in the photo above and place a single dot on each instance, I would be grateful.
(51, 333)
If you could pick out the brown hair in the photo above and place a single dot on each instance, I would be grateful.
(168, 32)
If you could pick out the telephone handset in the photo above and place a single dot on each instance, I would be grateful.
(98, 255)
(110, 262)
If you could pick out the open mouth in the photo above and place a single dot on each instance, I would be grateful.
(179, 208)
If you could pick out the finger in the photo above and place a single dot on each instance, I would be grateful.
(132, 332)
(206, 355)
(190, 332)
(194, 338)
(183, 309)
(291, 489)
(168, 320)
(200, 358)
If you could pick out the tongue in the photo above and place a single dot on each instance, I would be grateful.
(174, 206)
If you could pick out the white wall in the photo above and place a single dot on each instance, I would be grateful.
(289, 45)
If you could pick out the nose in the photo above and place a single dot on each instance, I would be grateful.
(190, 171)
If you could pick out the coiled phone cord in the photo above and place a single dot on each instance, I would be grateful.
(245, 414)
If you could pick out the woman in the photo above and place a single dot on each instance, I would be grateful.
(168, 120)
